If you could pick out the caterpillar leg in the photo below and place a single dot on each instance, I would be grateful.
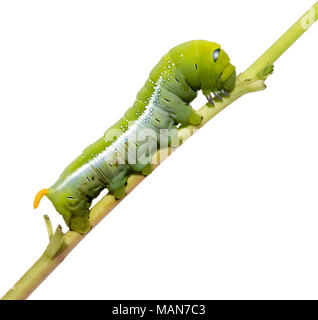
(120, 192)
(117, 187)
(147, 170)
(224, 93)
(217, 94)
(181, 111)
(195, 118)
(80, 223)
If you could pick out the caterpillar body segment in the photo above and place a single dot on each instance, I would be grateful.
(160, 106)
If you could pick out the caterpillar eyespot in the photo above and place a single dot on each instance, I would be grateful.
(127, 146)
(216, 54)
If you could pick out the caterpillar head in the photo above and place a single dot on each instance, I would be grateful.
(225, 71)
(222, 73)
(206, 66)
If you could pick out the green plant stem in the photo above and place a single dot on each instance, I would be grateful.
(283, 43)
(251, 80)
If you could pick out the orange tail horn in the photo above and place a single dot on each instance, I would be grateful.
(39, 196)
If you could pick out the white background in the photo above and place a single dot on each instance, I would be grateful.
(233, 214)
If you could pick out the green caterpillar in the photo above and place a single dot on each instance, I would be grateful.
(161, 105)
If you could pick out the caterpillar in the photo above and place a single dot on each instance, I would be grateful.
(162, 105)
